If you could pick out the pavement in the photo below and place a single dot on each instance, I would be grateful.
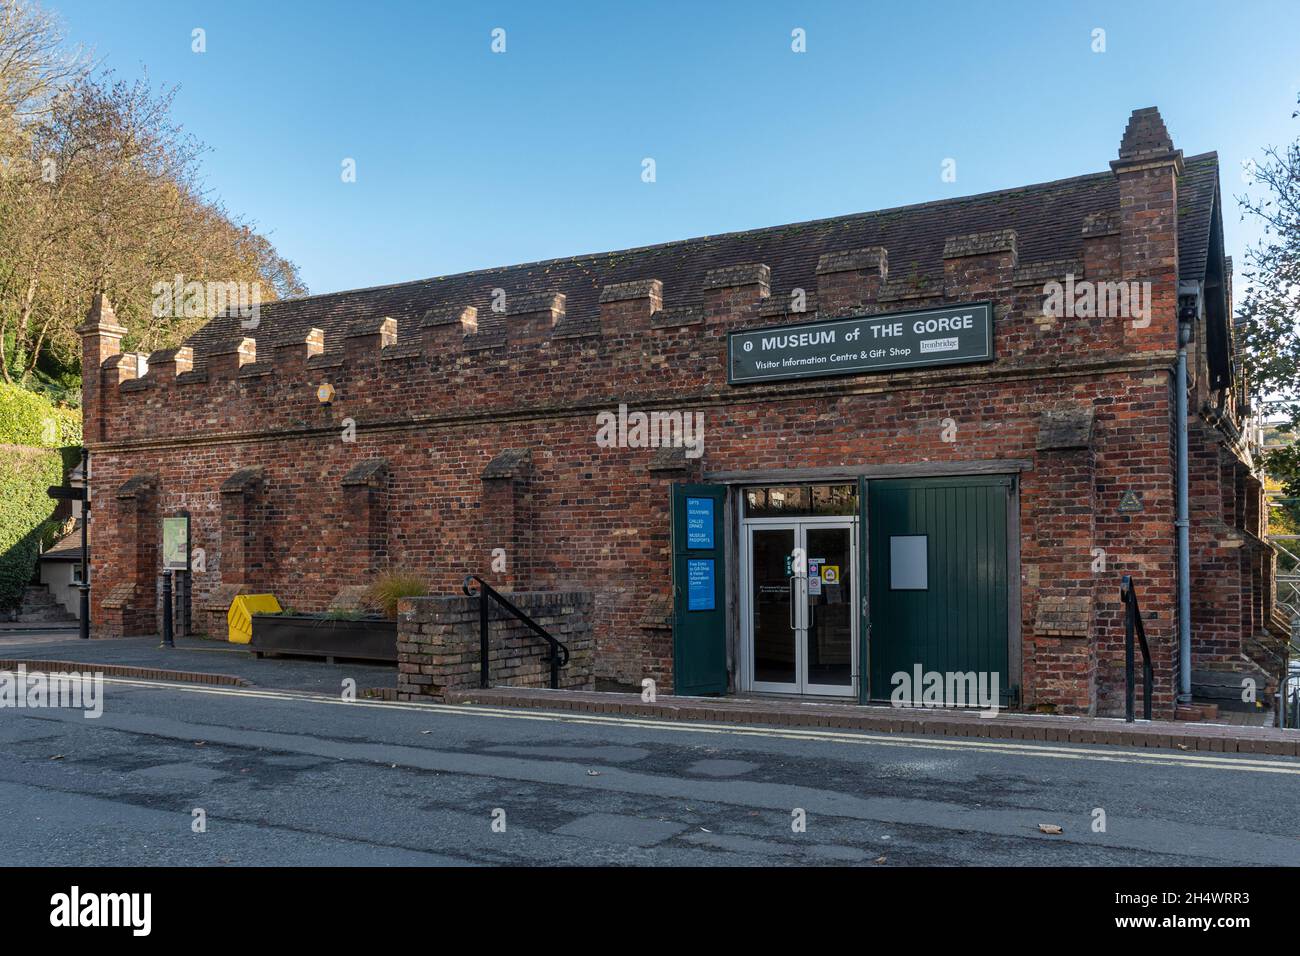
(277, 772)
(195, 656)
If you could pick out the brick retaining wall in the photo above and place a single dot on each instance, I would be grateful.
(438, 643)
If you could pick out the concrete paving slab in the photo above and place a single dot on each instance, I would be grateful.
(197, 656)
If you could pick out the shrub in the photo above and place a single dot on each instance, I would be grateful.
(25, 473)
(35, 440)
(27, 418)
(392, 587)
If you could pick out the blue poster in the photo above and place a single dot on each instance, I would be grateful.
(699, 523)
(699, 584)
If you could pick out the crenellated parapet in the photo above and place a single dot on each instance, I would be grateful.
(735, 289)
(165, 365)
(364, 341)
(979, 264)
(630, 307)
(528, 347)
(446, 327)
(227, 360)
(291, 350)
(850, 279)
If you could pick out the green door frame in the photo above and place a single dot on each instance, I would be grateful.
(864, 612)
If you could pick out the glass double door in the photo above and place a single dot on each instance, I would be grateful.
(800, 595)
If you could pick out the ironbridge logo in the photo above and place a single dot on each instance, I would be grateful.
(75, 690)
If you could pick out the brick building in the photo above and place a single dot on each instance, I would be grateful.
(962, 494)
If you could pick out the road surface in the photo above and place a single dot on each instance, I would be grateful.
(175, 774)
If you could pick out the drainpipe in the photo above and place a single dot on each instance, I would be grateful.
(1186, 316)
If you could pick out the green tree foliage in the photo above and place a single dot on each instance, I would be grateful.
(100, 192)
(1270, 309)
(32, 431)
(27, 418)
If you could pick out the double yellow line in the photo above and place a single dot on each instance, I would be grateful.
(1010, 748)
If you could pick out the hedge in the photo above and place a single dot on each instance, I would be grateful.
(27, 418)
(34, 440)
(25, 473)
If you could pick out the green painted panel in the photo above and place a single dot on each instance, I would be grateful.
(699, 589)
(864, 619)
(937, 578)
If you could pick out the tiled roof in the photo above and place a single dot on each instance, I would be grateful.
(1198, 192)
(67, 548)
(1048, 219)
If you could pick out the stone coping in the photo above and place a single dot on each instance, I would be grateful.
(122, 670)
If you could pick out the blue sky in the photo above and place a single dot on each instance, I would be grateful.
(467, 159)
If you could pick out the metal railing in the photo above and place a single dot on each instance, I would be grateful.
(559, 653)
(1288, 701)
(1133, 624)
(1287, 600)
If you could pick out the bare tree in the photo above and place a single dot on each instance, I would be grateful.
(34, 66)
(105, 197)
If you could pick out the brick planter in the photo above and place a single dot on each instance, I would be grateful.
(361, 639)
(438, 643)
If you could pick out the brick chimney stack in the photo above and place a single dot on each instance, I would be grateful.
(1148, 169)
(101, 338)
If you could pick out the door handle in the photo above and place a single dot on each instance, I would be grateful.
(793, 591)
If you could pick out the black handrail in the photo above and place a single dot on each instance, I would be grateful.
(559, 655)
(1133, 622)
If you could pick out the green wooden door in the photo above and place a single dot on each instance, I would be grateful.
(699, 589)
(937, 578)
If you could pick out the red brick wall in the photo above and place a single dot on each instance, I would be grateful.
(585, 518)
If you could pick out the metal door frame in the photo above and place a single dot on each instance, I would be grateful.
(800, 687)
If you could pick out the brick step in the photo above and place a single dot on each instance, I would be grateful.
(1197, 711)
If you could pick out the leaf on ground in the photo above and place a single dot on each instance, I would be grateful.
(593, 773)
(1050, 828)
(57, 757)
(880, 859)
